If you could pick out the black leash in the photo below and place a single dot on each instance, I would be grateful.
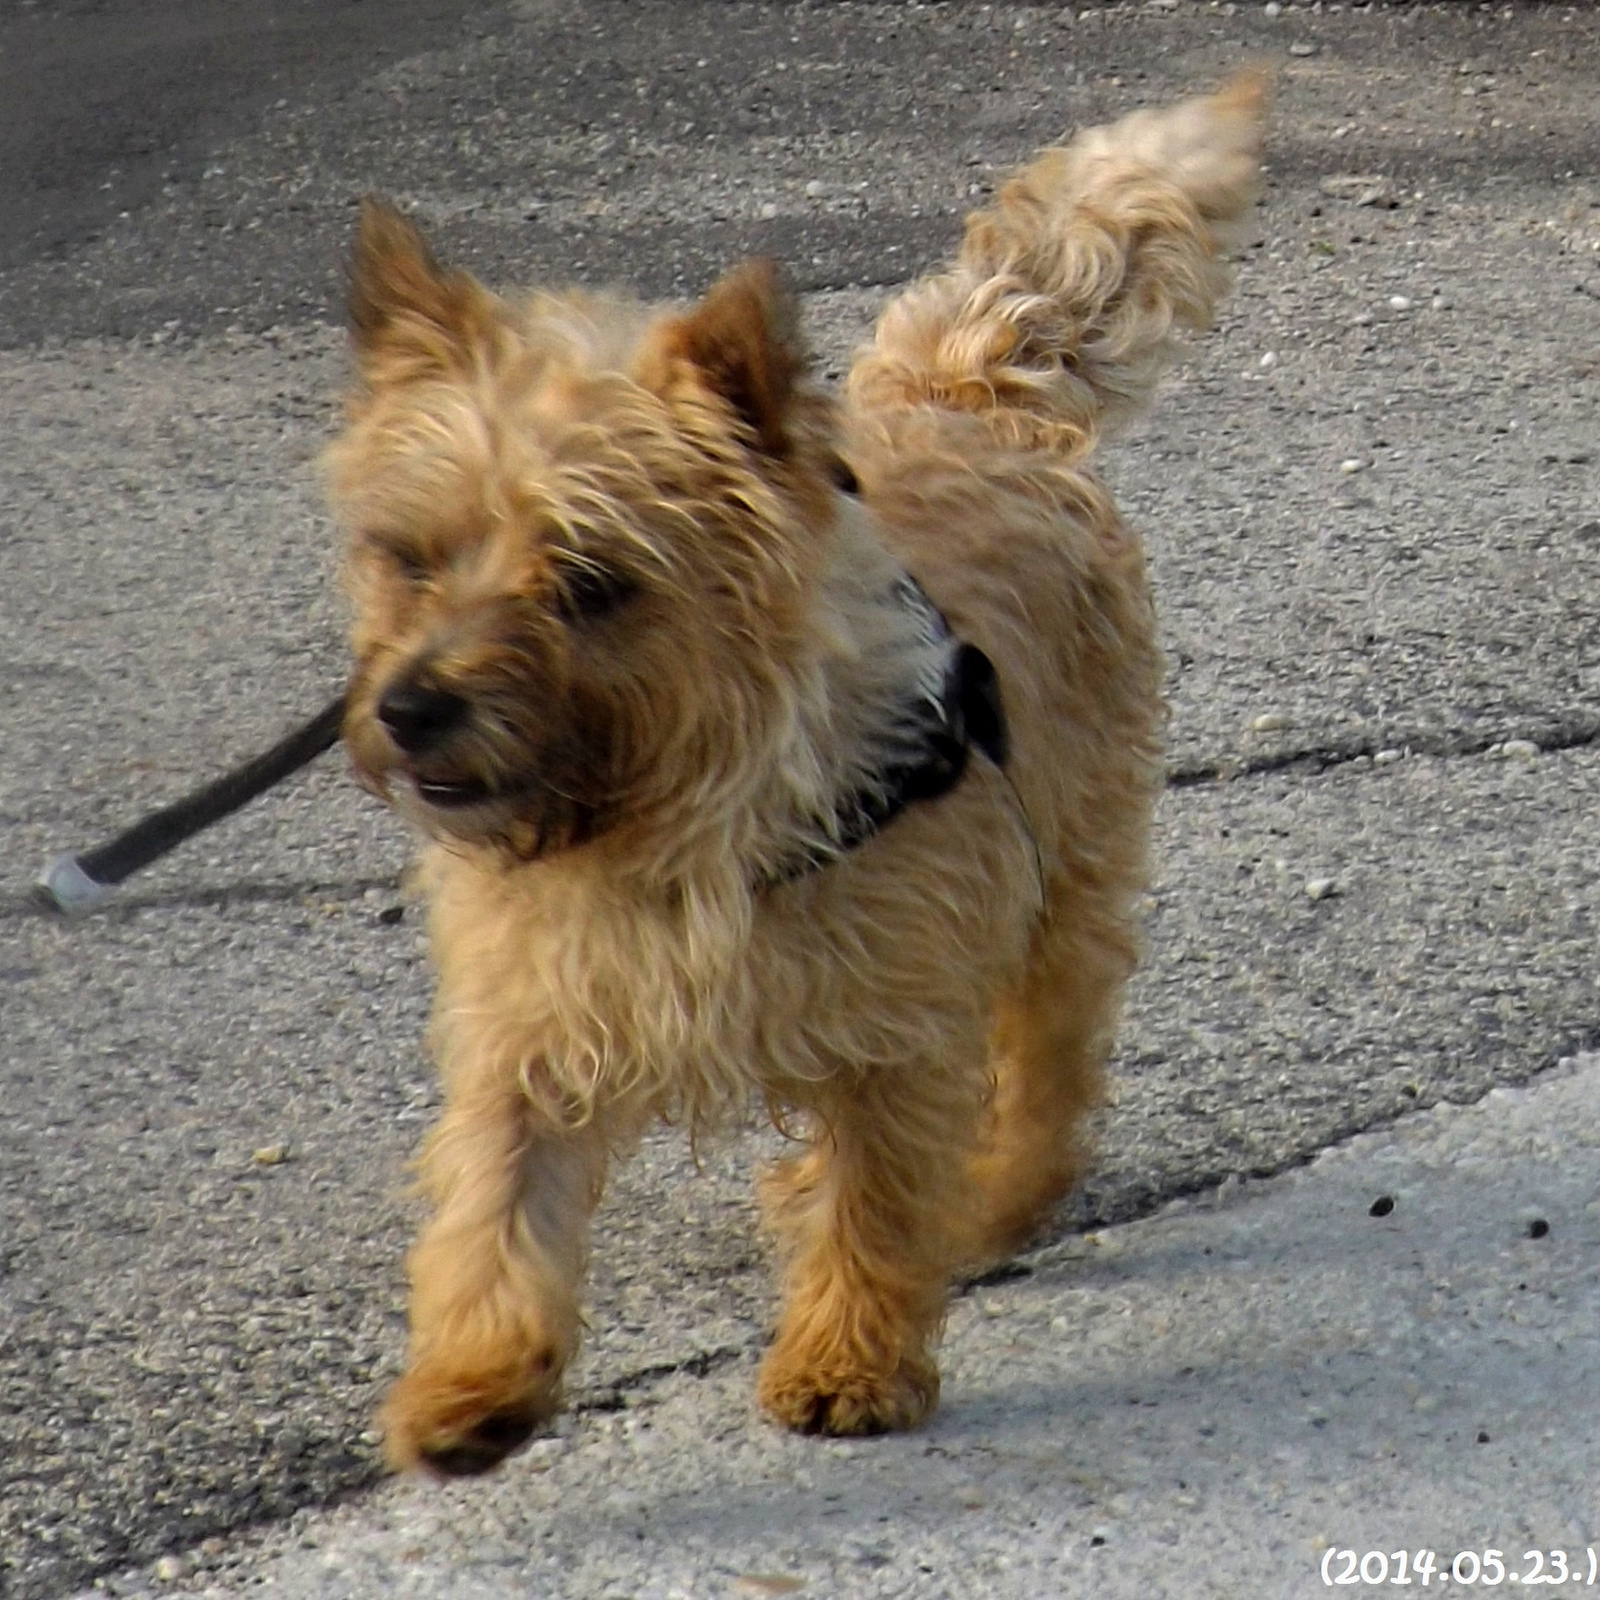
(75, 883)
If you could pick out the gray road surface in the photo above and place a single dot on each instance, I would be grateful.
(1373, 508)
(1238, 1396)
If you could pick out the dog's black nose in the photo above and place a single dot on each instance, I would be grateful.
(419, 716)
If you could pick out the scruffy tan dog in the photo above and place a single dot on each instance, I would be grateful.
(771, 747)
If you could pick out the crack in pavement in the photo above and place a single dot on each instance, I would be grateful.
(612, 1395)
(1575, 731)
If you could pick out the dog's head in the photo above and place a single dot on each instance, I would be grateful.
(582, 536)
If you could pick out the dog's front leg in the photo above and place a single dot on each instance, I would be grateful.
(867, 1221)
(495, 1281)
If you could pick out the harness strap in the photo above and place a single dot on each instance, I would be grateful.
(935, 734)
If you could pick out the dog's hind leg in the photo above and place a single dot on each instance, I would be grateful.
(1049, 1044)
(867, 1222)
(494, 1281)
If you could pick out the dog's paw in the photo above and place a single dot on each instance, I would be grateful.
(848, 1403)
(460, 1429)
(482, 1447)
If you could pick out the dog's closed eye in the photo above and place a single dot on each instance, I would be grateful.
(404, 560)
(410, 565)
(589, 591)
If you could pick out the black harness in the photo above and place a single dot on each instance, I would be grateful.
(932, 739)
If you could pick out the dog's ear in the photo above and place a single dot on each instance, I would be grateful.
(742, 343)
(401, 301)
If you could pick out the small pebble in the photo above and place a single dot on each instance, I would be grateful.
(1272, 8)
(168, 1569)
(1351, 464)
(1387, 758)
(1399, 302)
(1538, 1228)
(1321, 889)
(767, 1583)
(1360, 188)
(1382, 1206)
(270, 1155)
(1272, 722)
(815, 188)
(1300, 48)
(1270, 359)
(1520, 750)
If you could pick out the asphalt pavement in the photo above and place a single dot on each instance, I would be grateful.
(1384, 1366)
(1372, 503)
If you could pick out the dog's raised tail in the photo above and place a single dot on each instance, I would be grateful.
(1072, 290)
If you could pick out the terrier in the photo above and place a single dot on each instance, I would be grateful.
(773, 747)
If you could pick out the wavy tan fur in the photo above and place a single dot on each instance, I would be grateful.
(622, 640)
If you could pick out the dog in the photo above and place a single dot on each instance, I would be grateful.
(771, 748)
